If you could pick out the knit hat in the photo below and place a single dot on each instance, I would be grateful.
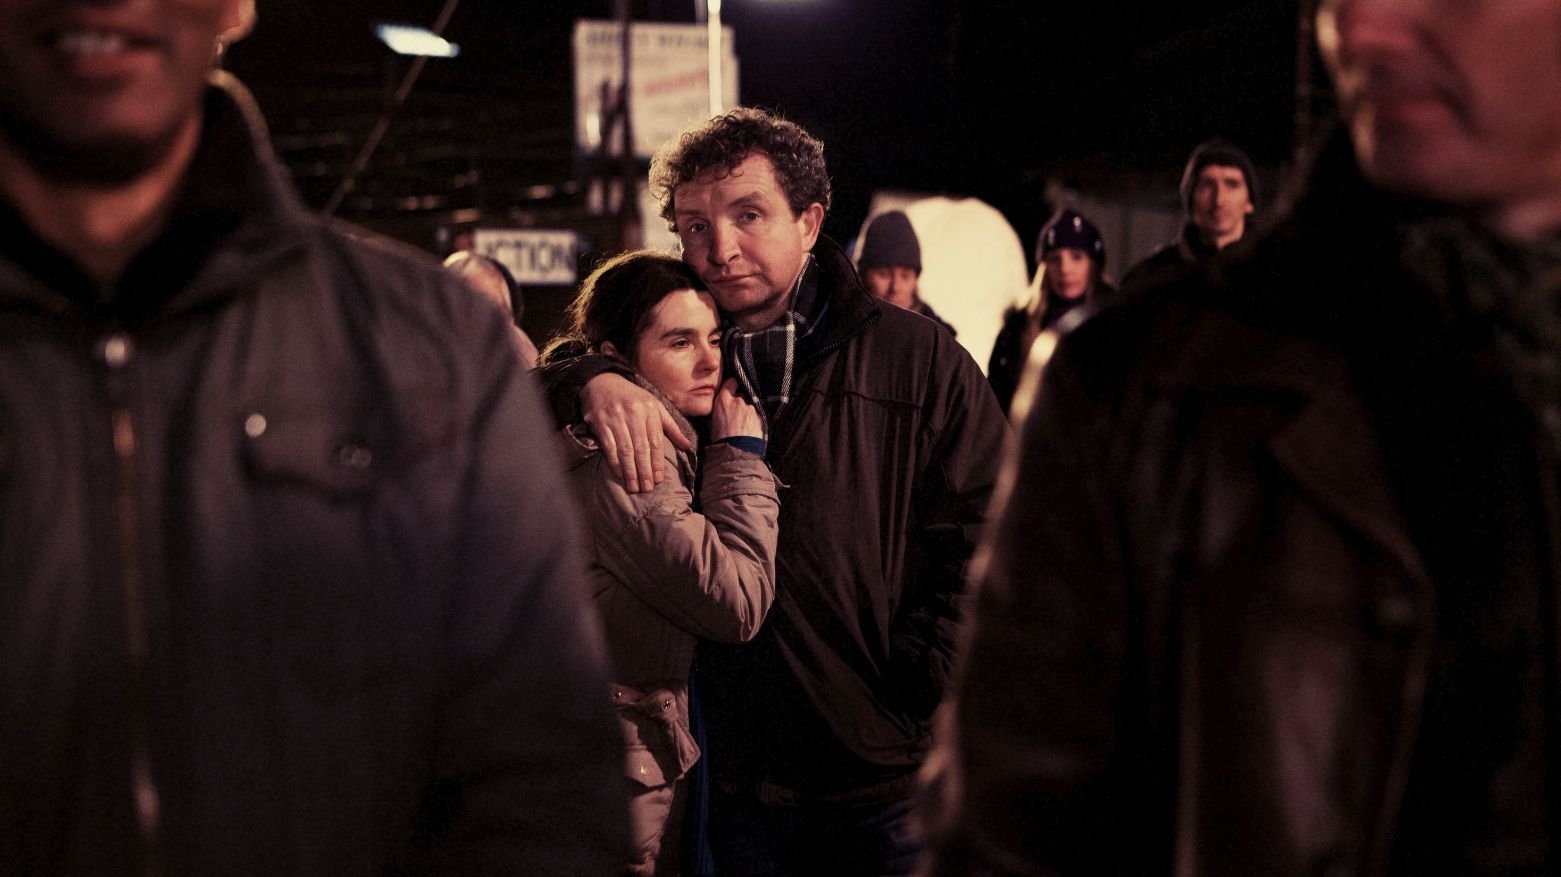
(890, 242)
(1222, 153)
(1069, 228)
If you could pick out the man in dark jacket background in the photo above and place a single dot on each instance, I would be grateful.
(285, 585)
(1220, 197)
(1275, 589)
(883, 431)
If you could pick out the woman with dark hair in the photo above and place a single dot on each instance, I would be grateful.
(1072, 258)
(666, 569)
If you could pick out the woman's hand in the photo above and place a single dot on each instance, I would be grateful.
(733, 415)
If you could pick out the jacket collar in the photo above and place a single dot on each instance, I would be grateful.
(1331, 451)
(1293, 323)
(1193, 248)
(1328, 445)
(847, 308)
(684, 425)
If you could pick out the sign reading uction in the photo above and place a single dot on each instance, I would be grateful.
(538, 256)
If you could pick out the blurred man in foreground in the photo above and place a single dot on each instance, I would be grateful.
(1274, 588)
(285, 587)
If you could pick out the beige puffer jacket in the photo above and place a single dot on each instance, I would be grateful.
(664, 576)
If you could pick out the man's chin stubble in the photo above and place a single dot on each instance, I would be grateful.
(107, 162)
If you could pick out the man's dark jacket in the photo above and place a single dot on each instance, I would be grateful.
(1174, 258)
(1267, 594)
(887, 454)
(921, 307)
(285, 585)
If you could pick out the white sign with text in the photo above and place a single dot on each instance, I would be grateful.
(536, 256)
(669, 79)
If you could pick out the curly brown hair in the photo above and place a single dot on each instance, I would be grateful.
(722, 143)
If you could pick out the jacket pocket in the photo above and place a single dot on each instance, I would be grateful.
(333, 551)
(659, 747)
(310, 451)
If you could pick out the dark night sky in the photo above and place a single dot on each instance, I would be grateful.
(981, 97)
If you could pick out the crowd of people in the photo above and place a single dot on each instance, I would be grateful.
(304, 569)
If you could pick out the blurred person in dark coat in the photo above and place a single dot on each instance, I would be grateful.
(1274, 583)
(286, 586)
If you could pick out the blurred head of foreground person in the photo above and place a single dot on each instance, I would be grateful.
(283, 585)
(493, 281)
(881, 427)
(1296, 523)
(487, 276)
(664, 575)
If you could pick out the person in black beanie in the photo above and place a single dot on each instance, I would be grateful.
(890, 264)
(1072, 255)
(1220, 194)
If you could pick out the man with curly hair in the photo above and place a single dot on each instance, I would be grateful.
(885, 434)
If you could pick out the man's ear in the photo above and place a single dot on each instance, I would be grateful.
(237, 22)
(812, 219)
(610, 349)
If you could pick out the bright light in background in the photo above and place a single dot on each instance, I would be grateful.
(405, 39)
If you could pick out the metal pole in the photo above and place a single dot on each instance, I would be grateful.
(1305, 94)
(382, 125)
(630, 235)
(713, 22)
(626, 25)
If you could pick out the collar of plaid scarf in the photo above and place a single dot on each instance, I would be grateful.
(764, 361)
(1506, 295)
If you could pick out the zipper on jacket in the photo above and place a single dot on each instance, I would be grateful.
(116, 352)
(780, 433)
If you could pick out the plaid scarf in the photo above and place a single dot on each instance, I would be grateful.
(764, 361)
(1509, 297)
